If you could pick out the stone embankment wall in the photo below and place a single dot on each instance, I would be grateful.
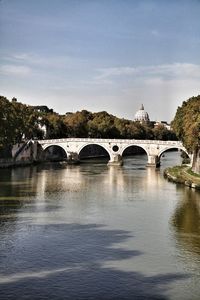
(6, 163)
(22, 154)
(10, 162)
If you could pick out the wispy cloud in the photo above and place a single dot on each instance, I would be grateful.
(111, 72)
(19, 70)
(165, 71)
(36, 60)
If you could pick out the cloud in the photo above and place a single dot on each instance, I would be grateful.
(110, 72)
(174, 70)
(36, 60)
(19, 70)
(32, 59)
(165, 71)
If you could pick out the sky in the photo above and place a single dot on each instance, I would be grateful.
(101, 55)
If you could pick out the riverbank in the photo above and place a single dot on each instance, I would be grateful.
(183, 175)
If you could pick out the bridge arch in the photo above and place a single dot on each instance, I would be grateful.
(104, 151)
(54, 152)
(172, 148)
(124, 149)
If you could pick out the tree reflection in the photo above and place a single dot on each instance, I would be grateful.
(186, 221)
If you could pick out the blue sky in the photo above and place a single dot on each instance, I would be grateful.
(99, 55)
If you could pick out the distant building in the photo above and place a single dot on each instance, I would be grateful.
(41, 125)
(43, 108)
(142, 116)
(163, 123)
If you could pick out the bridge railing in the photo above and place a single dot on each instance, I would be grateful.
(119, 141)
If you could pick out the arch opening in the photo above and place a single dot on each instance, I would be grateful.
(135, 155)
(94, 152)
(115, 148)
(173, 156)
(54, 153)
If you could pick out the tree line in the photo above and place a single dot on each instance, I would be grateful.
(21, 122)
(186, 124)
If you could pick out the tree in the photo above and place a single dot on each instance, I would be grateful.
(77, 123)
(186, 125)
(162, 133)
(17, 121)
(56, 128)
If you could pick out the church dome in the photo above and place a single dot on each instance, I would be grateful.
(141, 115)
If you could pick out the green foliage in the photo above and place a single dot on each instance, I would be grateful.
(162, 133)
(55, 126)
(192, 173)
(186, 123)
(77, 124)
(17, 121)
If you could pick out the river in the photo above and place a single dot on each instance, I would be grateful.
(97, 232)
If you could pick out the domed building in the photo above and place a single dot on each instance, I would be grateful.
(141, 115)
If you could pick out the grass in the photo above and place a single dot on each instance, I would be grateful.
(182, 174)
(190, 172)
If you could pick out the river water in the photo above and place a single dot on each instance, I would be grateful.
(98, 232)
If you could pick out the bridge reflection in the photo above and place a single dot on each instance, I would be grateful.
(69, 178)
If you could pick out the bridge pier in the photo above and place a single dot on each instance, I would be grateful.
(153, 161)
(73, 158)
(116, 160)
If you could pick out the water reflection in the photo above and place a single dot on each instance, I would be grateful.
(64, 266)
(39, 186)
(186, 220)
(93, 231)
(133, 175)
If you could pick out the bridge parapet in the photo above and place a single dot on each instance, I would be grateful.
(121, 141)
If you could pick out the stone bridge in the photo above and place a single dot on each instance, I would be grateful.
(114, 147)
